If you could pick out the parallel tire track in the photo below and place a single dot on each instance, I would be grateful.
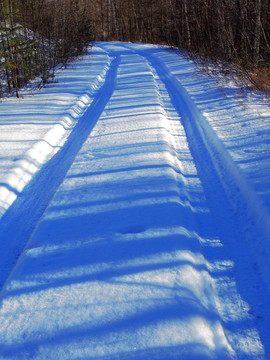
(241, 219)
(224, 184)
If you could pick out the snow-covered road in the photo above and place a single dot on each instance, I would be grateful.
(138, 234)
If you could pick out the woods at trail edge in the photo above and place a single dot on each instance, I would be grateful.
(37, 34)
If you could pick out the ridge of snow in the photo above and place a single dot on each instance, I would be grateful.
(43, 150)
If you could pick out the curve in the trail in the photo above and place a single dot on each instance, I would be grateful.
(20, 220)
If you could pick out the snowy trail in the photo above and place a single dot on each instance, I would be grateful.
(139, 254)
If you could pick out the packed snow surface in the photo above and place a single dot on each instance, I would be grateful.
(135, 197)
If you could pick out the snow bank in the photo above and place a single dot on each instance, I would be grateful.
(80, 97)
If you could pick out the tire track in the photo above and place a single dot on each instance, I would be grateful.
(240, 218)
(222, 180)
(22, 217)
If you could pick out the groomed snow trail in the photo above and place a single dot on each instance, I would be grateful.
(135, 256)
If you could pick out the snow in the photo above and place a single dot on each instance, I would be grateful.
(29, 137)
(129, 222)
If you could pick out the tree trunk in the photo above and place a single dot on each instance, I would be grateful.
(257, 32)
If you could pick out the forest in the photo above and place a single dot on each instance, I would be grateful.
(36, 35)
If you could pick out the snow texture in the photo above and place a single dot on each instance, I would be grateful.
(135, 214)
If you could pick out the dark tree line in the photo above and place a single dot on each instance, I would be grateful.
(229, 31)
(37, 34)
